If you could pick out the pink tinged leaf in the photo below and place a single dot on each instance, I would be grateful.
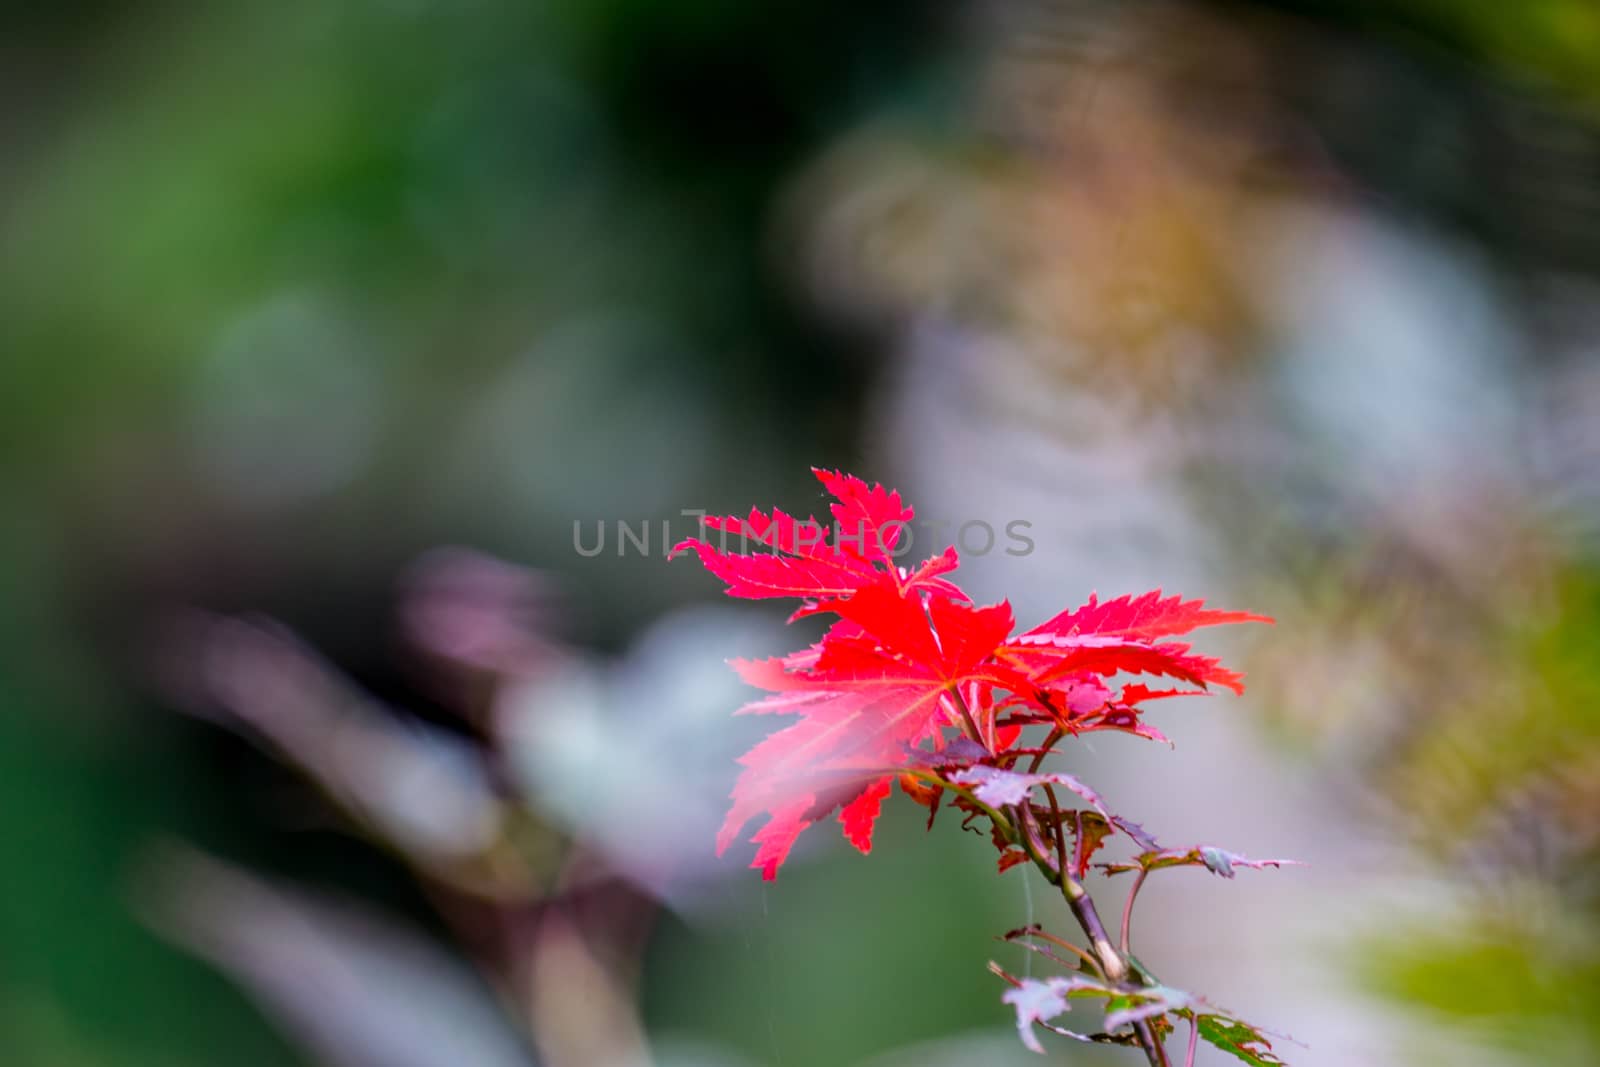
(771, 674)
(1034, 1001)
(820, 757)
(859, 816)
(866, 701)
(777, 837)
(998, 788)
(1039, 1001)
(792, 703)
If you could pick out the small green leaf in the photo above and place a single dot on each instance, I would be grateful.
(1239, 1039)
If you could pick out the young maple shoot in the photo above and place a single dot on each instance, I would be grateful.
(912, 682)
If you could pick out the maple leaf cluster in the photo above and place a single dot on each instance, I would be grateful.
(913, 681)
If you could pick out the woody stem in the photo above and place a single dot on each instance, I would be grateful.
(1058, 872)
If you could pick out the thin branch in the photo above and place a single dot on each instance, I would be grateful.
(1061, 837)
(1068, 945)
(1115, 965)
(1127, 908)
(995, 968)
(1194, 1039)
(1088, 917)
(1045, 749)
(1151, 1043)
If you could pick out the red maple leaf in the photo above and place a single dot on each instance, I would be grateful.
(880, 683)
(1144, 618)
(1120, 636)
(819, 563)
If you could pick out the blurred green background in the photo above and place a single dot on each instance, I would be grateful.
(1295, 305)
